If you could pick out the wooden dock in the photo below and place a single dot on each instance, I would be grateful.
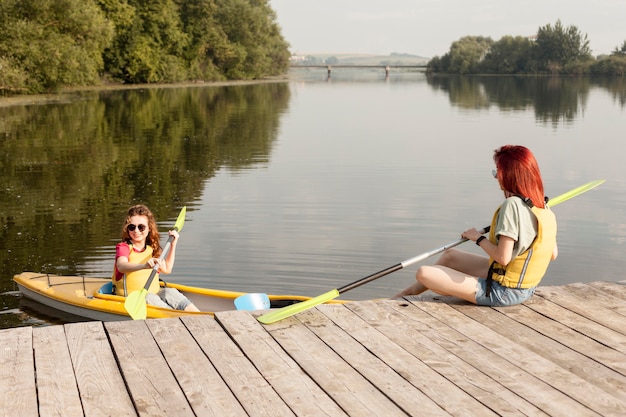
(563, 353)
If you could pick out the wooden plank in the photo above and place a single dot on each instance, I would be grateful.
(558, 344)
(97, 375)
(420, 391)
(580, 305)
(586, 397)
(56, 385)
(365, 359)
(354, 394)
(608, 296)
(615, 289)
(578, 323)
(415, 334)
(295, 387)
(207, 393)
(252, 390)
(18, 393)
(529, 314)
(451, 334)
(152, 386)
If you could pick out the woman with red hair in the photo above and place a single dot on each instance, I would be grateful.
(520, 245)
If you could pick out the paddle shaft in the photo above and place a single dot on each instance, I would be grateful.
(404, 264)
(155, 268)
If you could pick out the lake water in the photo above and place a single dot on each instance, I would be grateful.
(307, 185)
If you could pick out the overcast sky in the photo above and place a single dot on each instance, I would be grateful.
(428, 27)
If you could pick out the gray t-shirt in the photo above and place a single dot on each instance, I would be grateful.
(517, 221)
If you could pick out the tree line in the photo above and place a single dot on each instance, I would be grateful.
(555, 49)
(49, 44)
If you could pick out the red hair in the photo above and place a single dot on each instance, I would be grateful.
(518, 173)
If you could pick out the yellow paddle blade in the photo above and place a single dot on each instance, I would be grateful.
(180, 220)
(283, 313)
(573, 193)
(135, 304)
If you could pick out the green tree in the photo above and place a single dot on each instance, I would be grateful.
(611, 65)
(149, 41)
(467, 53)
(256, 47)
(509, 55)
(205, 37)
(620, 51)
(46, 44)
(557, 46)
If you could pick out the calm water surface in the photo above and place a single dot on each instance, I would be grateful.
(303, 186)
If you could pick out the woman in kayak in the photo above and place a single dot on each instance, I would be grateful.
(136, 256)
(520, 245)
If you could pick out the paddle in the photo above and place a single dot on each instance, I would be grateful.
(282, 313)
(135, 303)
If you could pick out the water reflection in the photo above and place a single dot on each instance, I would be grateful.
(554, 99)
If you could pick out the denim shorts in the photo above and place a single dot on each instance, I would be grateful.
(501, 296)
(168, 298)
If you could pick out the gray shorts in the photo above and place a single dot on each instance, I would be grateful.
(501, 296)
(168, 298)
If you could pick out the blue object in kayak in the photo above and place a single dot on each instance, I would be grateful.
(252, 301)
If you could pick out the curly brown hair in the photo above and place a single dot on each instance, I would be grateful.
(153, 238)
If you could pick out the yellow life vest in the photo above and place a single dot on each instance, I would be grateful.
(528, 268)
(135, 281)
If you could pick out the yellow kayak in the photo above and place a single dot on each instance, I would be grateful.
(91, 298)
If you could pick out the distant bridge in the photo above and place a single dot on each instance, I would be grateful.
(387, 68)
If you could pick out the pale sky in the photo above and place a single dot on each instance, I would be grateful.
(428, 27)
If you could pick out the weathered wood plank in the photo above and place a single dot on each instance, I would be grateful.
(615, 289)
(586, 397)
(558, 344)
(580, 324)
(566, 336)
(464, 380)
(581, 305)
(612, 299)
(252, 390)
(97, 374)
(364, 358)
(18, 394)
(56, 385)
(204, 388)
(462, 337)
(354, 394)
(150, 381)
(296, 388)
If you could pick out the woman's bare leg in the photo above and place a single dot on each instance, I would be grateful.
(451, 268)
(446, 281)
(466, 262)
(191, 307)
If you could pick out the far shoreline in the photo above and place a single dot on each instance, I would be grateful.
(68, 94)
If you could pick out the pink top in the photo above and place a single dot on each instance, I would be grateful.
(123, 249)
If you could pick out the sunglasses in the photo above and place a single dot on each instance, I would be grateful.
(132, 227)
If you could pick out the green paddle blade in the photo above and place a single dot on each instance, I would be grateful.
(283, 313)
(135, 305)
(573, 193)
(180, 221)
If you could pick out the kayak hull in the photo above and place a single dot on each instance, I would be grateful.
(90, 298)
